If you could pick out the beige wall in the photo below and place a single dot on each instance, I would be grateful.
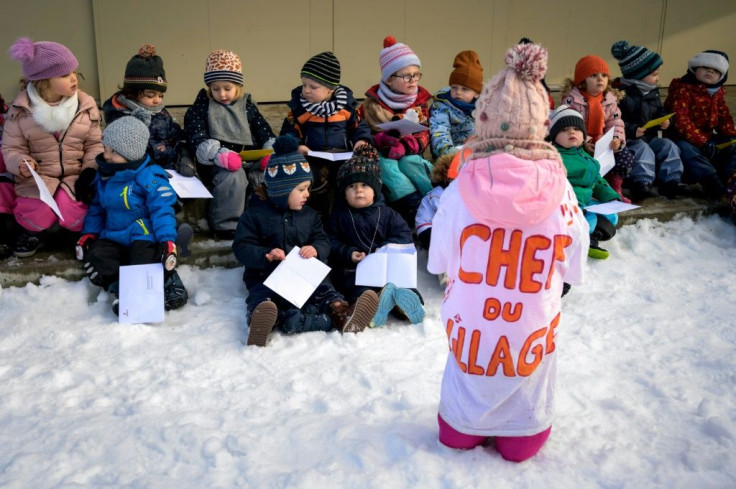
(275, 37)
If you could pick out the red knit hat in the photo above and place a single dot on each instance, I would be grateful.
(589, 65)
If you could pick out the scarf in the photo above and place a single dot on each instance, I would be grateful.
(107, 169)
(52, 118)
(643, 86)
(596, 119)
(326, 108)
(132, 105)
(397, 101)
(466, 107)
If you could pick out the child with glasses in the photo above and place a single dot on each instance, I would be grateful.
(398, 95)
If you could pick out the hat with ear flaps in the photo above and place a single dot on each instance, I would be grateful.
(286, 169)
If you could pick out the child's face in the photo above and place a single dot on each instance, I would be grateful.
(465, 94)
(315, 92)
(569, 137)
(224, 92)
(64, 86)
(709, 76)
(596, 83)
(652, 78)
(398, 84)
(150, 98)
(111, 156)
(359, 195)
(298, 196)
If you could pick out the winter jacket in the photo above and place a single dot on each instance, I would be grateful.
(584, 174)
(637, 109)
(263, 227)
(508, 233)
(59, 161)
(449, 125)
(611, 113)
(165, 132)
(697, 113)
(338, 131)
(133, 205)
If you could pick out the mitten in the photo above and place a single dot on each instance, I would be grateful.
(410, 144)
(709, 150)
(83, 245)
(264, 161)
(83, 188)
(229, 160)
(389, 145)
(167, 251)
(207, 151)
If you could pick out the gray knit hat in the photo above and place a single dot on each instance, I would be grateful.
(128, 137)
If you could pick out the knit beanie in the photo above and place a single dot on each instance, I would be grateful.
(361, 167)
(395, 56)
(128, 137)
(717, 60)
(635, 62)
(589, 65)
(324, 68)
(564, 117)
(467, 71)
(223, 65)
(145, 71)
(44, 59)
(286, 169)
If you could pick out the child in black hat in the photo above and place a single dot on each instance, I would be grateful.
(266, 233)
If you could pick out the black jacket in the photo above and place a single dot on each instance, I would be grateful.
(638, 109)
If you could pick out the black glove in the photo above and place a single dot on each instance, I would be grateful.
(709, 150)
(83, 188)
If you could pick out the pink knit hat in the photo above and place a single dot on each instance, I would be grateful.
(512, 112)
(395, 56)
(44, 59)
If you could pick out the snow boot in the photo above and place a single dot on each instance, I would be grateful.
(410, 305)
(175, 294)
(355, 318)
(673, 189)
(616, 182)
(27, 244)
(184, 235)
(639, 191)
(261, 323)
(385, 304)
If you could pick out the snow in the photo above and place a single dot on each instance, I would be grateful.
(646, 386)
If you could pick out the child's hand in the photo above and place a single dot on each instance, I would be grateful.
(276, 254)
(639, 132)
(356, 256)
(359, 144)
(615, 143)
(308, 252)
(23, 169)
(303, 149)
(665, 124)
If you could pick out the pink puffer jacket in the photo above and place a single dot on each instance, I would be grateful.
(611, 112)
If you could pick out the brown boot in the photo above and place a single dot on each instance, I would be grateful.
(261, 323)
(355, 318)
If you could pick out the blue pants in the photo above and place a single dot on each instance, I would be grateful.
(698, 167)
(658, 159)
(407, 175)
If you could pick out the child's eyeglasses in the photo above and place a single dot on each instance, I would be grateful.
(409, 77)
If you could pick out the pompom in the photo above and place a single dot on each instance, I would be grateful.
(285, 144)
(367, 151)
(619, 48)
(389, 41)
(147, 51)
(22, 50)
(529, 61)
(142, 115)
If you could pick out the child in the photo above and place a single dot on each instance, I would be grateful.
(7, 197)
(567, 133)
(702, 121)
(222, 122)
(398, 95)
(451, 113)
(508, 232)
(656, 158)
(144, 86)
(131, 218)
(360, 224)
(431, 201)
(55, 128)
(268, 231)
(323, 116)
(590, 94)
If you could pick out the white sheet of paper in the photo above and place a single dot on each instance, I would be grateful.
(391, 263)
(326, 155)
(613, 207)
(296, 278)
(43, 191)
(188, 187)
(604, 153)
(404, 126)
(141, 294)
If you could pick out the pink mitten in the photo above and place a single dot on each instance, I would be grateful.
(264, 161)
(229, 160)
(411, 144)
(389, 145)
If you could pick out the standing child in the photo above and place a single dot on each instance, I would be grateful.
(222, 122)
(323, 117)
(508, 232)
(657, 158)
(702, 121)
(131, 218)
(268, 231)
(451, 113)
(398, 95)
(55, 128)
(359, 225)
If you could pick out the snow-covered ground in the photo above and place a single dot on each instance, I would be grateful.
(646, 386)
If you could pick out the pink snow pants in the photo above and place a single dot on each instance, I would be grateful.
(35, 216)
(7, 197)
(512, 448)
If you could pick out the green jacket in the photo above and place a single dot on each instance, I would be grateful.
(584, 174)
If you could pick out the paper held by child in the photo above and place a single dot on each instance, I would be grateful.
(255, 154)
(43, 191)
(330, 155)
(604, 153)
(404, 126)
(726, 144)
(296, 278)
(141, 294)
(188, 187)
(396, 263)
(656, 122)
(613, 207)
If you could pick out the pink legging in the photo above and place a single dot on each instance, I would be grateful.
(35, 216)
(7, 198)
(513, 448)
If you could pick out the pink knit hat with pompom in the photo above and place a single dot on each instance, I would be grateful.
(44, 59)
(396, 56)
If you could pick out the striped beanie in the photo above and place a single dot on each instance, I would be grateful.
(223, 66)
(564, 117)
(286, 169)
(145, 71)
(324, 68)
(395, 56)
(635, 62)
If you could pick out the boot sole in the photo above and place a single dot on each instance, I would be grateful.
(598, 253)
(410, 305)
(261, 323)
(365, 309)
(385, 305)
(26, 254)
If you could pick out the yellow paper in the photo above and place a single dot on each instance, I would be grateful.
(255, 154)
(656, 122)
(726, 144)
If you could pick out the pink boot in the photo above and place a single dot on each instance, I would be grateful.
(615, 181)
